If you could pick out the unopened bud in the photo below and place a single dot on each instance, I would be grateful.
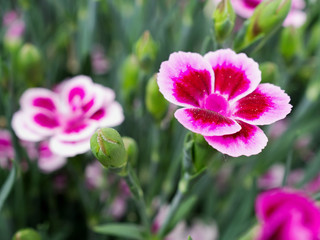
(224, 18)
(269, 72)
(146, 50)
(267, 17)
(131, 149)
(291, 42)
(129, 77)
(26, 234)
(29, 56)
(107, 146)
(155, 102)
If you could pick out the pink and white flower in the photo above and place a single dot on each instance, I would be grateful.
(222, 99)
(295, 18)
(6, 149)
(287, 214)
(67, 116)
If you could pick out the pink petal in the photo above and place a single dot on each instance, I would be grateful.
(266, 105)
(39, 98)
(206, 122)
(110, 116)
(26, 129)
(236, 75)
(77, 130)
(248, 141)
(295, 19)
(45, 120)
(69, 148)
(185, 79)
(49, 162)
(245, 8)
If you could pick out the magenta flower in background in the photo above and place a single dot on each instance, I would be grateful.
(222, 99)
(14, 25)
(67, 116)
(295, 18)
(94, 175)
(6, 149)
(287, 214)
(272, 178)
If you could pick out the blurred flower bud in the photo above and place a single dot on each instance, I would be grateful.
(146, 50)
(129, 77)
(267, 17)
(26, 234)
(131, 149)
(30, 64)
(314, 40)
(269, 72)
(224, 18)
(291, 42)
(107, 146)
(155, 102)
(202, 152)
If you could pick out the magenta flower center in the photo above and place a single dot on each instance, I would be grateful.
(252, 3)
(217, 103)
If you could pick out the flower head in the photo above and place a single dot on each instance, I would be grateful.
(286, 214)
(6, 149)
(295, 18)
(67, 116)
(222, 99)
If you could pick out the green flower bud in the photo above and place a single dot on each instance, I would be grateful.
(30, 64)
(131, 149)
(266, 19)
(12, 45)
(291, 42)
(26, 234)
(129, 77)
(155, 102)
(224, 18)
(146, 50)
(107, 146)
(269, 72)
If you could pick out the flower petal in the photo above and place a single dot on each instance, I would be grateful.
(77, 130)
(27, 129)
(206, 122)
(49, 162)
(185, 79)
(110, 116)
(266, 105)
(39, 98)
(69, 148)
(250, 140)
(236, 75)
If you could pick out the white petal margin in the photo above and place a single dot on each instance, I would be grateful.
(114, 116)
(23, 130)
(178, 63)
(250, 140)
(27, 98)
(69, 148)
(240, 61)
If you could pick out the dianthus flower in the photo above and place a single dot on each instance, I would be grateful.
(223, 99)
(66, 116)
(295, 18)
(287, 214)
(6, 149)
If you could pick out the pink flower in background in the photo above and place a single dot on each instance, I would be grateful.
(100, 64)
(15, 26)
(6, 149)
(287, 214)
(272, 178)
(94, 175)
(223, 99)
(198, 229)
(67, 116)
(48, 161)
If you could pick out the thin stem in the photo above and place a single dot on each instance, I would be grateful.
(137, 193)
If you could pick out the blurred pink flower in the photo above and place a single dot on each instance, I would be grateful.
(94, 175)
(223, 99)
(100, 64)
(295, 18)
(6, 149)
(198, 229)
(287, 214)
(9, 17)
(67, 116)
(272, 178)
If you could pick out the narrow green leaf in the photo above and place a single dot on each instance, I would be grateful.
(130, 231)
(184, 209)
(7, 186)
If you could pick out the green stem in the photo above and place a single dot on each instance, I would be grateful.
(137, 194)
(178, 198)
